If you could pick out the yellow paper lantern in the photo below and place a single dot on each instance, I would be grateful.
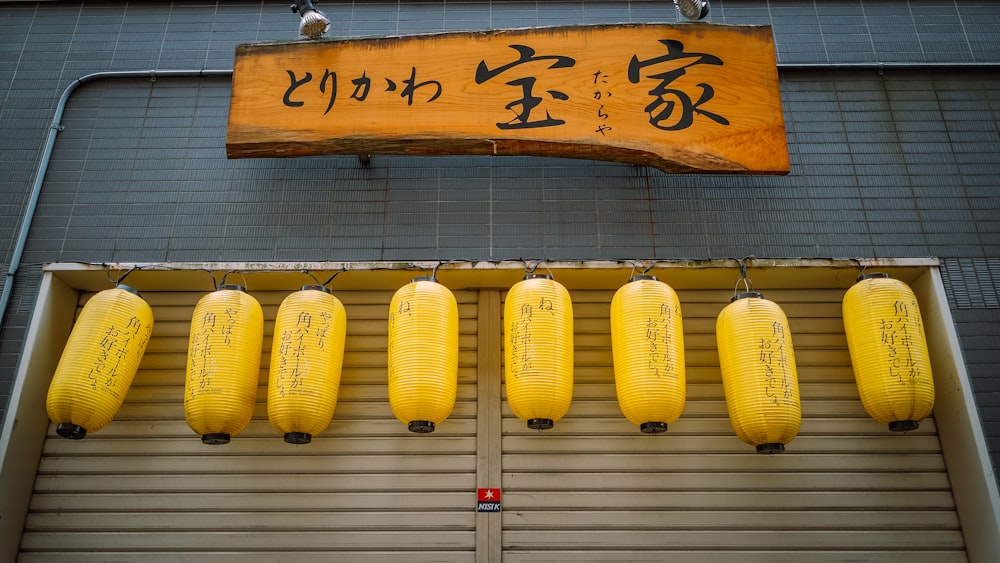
(423, 354)
(885, 337)
(538, 350)
(307, 355)
(99, 362)
(759, 376)
(223, 365)
(647, 343)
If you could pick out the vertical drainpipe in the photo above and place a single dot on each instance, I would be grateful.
(50, 141)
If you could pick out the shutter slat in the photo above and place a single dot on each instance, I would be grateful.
(249, 521)
(302, 460)
(724, 520)
(305, 501)
(182, 555)
(670, 459)
(327, 540)
(737, 539)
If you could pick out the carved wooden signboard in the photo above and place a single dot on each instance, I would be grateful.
(682, 98)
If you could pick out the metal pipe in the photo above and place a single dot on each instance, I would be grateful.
(56, 127)
(50, 141)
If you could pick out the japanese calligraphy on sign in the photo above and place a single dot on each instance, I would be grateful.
(683, 98)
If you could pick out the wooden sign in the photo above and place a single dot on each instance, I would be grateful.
(682, 98)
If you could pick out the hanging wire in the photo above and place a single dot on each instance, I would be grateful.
(531, 270)
(330, 279)
(650, 267)
(743, 276)
(226, 275)
(123, 276)
(861, 266)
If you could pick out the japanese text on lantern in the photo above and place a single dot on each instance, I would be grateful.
(293, 352)
(522, 350)
(898, 335)
(402, 308)
(774, 361)
(658, 341)
(114, 347)
(203, 339)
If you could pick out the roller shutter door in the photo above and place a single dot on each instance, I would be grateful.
(146, 488)
(591, 489)
(595, 489)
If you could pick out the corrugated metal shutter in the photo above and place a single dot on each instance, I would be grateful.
(591, 489)
(145, 487)
(595, 489)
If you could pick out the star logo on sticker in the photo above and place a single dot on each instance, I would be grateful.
(489, 500)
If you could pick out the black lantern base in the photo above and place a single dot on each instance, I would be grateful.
(775, 448)
(298, 437)
(903, 425)
(653, 427)
(421, 426)
(540, 423)
(71, 431)
(216, 439)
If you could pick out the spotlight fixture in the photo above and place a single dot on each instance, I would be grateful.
(313, 24)
(692, 9)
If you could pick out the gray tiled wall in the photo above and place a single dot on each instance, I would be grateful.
(898, 163)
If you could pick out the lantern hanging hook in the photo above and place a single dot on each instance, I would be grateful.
(861, 267)
(743, 275)
(123, 276)
(330, 279)
(434, 271)
(648, 268)
(226, 275)
(315, 279)
(531, 269)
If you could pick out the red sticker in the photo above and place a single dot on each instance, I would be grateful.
(489, 500)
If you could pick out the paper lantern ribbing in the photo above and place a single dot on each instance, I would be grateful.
(758, 372)
(538, 350)
(307, 355)
(885, 336)
(99, 362)
(647, 343)
(423, 354)
(223, 365)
